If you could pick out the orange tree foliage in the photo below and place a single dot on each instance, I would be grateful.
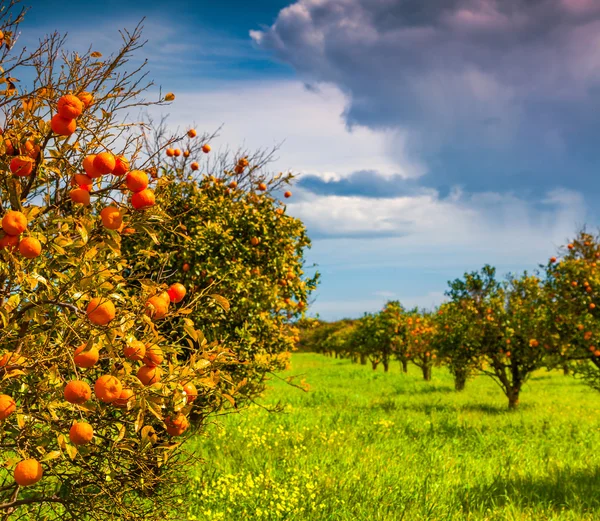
(573, 282)
(420, 340)
(233, 238)
(95, 390)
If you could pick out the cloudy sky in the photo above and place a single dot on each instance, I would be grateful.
(429, 137)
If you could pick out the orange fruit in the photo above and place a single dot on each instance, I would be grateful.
(111, 217)
(194, 166)
(10, 242)
(287, 194)
(186, 267)
(552, 259)
(14, 223)
(170, 152)
(10, 150)
(206, 149)
(154, 356)
(28, 472)
(123, 399)
(105, 163)
(12, 359)
(82, 180)
(108, 388)
(7, 406)
(135, 350)
(254, 241)
(177, 425)
(31, 149)
(86, 358)
(262, 186)
(90, 169)
(137, 180)
(81, 433)
(70, 107)
(176, 292)
(192, 133)
(186, 153)
(86, 98)
(100, 311)
(121, 165)
(157, 307)
(190, 391)
(233, 184)
(22, 166)
(80, 196)
(570, 246)
(149, 375)
(143, 199)
(176, 152)
(30, 247)
(279, 211)
(77, 391)
(62, 126)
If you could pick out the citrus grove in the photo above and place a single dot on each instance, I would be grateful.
(505, 330)
(139, 294)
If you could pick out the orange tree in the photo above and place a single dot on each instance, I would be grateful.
(469, 322)
(95, 392)
(365, 339)
(232, 237)
(573, 282)
(420, 340)
(391, 335)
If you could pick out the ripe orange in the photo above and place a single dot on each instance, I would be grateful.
(28, 472)
(170, 152)
(570, 246)
(143, 199)
(14, 223)
(82, 180)
(186, 153)
(80, 196)
(239, 169)
(105, 163)
(90, 169)
(123, 399)
(194, 166)
(77, 391)
(86, 98)
(135, 350)
(288, 194)
(233, 184)
(186, 267)
(137, 180)
(262, 186)
(70, 107)
(178, 425)
(157, 307)
(10, 242)
(149, 375)
(108, 388)
(592, 306)
(190, 391)
(279, 211)
(176, 152)
(30, 247)
(154, 356)
(81, 433)
(86, 358)
(31, 149)
(206, 149)
(121, 165)
(100, 311)
(22, 166)
(176, 292)
(192, 133)
(111, 217)
(62, 126)
(128, 231)
(254, 241)
(7, 406)
(552, 259)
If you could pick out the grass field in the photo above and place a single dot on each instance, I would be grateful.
(364, 445)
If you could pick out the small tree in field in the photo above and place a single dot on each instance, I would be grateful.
(392, 334)
(94, 393)
(420, 338)
(364, 339)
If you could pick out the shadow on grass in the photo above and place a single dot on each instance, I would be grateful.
(570, 489)
(424, 388)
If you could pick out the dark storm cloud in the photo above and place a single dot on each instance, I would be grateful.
(495, 95)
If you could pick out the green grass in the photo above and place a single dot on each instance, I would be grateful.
(364, 445)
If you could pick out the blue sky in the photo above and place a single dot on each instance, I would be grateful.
(430, 138)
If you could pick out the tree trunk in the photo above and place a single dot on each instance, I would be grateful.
(363, 359)
(426, 373)
(460, 380)
(386, 365)
(374, 365)
(566, 370)
(404, 366)
(513, 399)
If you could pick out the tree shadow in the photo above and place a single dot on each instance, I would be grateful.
(575, 489)
(425, 388)
(489, 408)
